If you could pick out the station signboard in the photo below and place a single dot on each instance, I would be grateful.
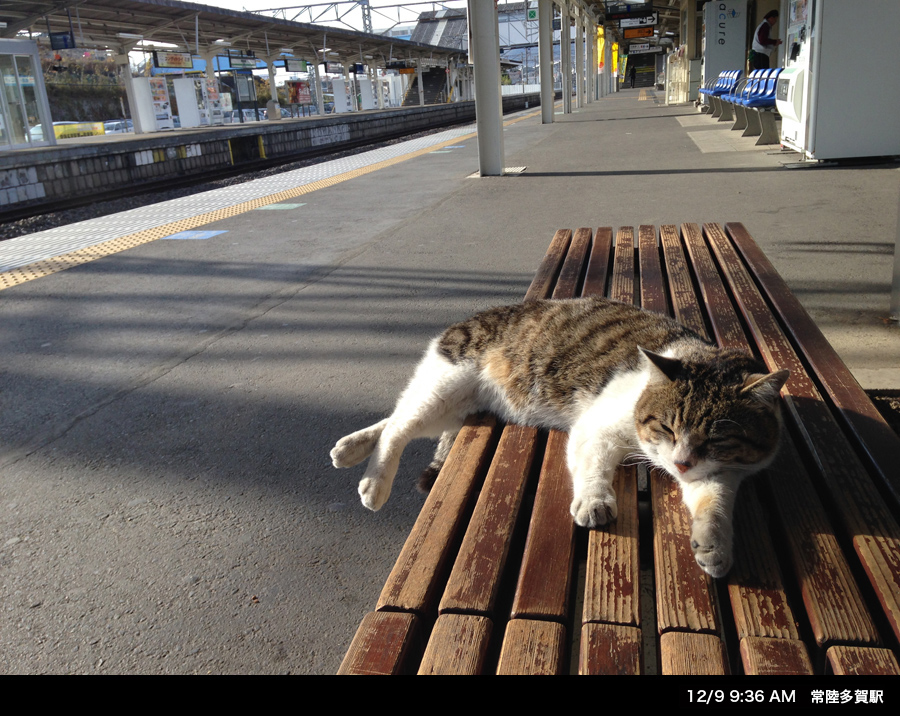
(635, 32)
(173, 60)
(640, 21)
(294, 65)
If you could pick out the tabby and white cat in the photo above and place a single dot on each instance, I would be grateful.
(623, 382)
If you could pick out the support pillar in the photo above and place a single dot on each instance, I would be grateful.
(579, 60)
(565, 57)
(545, 58)
(122, 59)
(419, 84)
(485, 53)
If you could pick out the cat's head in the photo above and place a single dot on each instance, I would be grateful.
(718, 414)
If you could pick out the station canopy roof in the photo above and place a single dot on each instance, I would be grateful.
(122, 24)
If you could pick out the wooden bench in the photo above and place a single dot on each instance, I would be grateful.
(495, 577)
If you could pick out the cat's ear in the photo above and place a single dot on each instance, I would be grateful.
(765, 387)
(662, 367)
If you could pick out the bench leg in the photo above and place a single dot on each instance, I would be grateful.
(769, 133)
(740, 117)
(716, 105)
(754, 127)
(726, 114)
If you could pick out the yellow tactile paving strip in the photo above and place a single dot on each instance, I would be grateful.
(46, 267)
(53, 265)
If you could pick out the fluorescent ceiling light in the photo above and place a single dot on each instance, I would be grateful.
(129, 36)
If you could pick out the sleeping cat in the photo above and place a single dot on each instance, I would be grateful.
(623, 382)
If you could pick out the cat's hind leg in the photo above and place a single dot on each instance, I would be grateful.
(436, 402)
(352, 449)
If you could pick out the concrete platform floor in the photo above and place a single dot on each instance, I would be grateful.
(167, 504)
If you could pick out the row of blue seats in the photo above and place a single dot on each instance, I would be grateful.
(747, 101)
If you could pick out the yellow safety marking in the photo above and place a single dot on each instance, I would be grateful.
(49, 266)
(643, 95)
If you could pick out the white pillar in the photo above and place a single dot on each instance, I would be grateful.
(579, 60)
(122, 59)
(565, 57)
(485, 53)
(545, 58)
(419, 85)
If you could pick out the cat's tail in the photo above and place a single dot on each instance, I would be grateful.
(429, 475)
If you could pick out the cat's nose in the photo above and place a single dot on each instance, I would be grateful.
(683, 467)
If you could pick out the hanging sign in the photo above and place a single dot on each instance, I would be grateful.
(293, 65)
(637, 32)
(173, 60)
(642, 21)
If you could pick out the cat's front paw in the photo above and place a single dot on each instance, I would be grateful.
(712, 546)
(374, 493)
(594, 510)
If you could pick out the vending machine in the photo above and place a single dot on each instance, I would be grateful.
(839, 95)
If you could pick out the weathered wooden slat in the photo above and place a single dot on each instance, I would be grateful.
(755, 584)
(534, 648)
(622, 285)
(653, 290)
(542, 591)
(684, 595)
(386, 643)
(612, 587)
(861, 661)
(681, 289)
(612, 583)
(874, 435)
(417, 577)
(609, 649)
(458, 645)
(598, 263)
(865, 516)
(545, 277)
(688, 654)
(775, 657)
(478, 568)
(834, 605)
(570, 276)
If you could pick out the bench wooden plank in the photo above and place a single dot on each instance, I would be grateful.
(545, 277)
(690, 654)
(685, 594)
(862, 661)
(612, 567)
(834, 604)
(613, 579)
(386, 643)
(756, 590)
(775, 657)
(880, 443)
(458, 645)
(542, 591)
(532, 647)
(610, 649)
(622, 284)
(475, 579)
(865, 516)
(755, 586)
(416, 580)
(598, 265)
